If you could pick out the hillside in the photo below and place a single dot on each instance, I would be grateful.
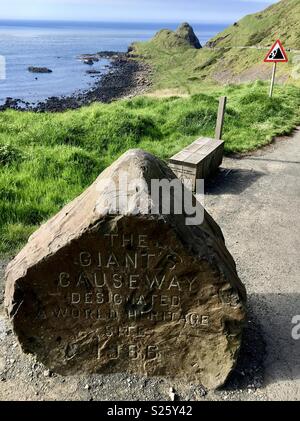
(184, 36)
(233, 56)
(281, 20)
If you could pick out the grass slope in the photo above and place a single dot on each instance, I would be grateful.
(281, 20)
(48, 159)
(237, 56)
(189, 71)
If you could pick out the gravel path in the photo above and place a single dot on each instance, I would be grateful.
(256, 201)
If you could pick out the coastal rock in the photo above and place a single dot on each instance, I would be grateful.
(107, 289)
(93, 72)
(33, 69)
(131, 48)
(111, 54)
(122, 81)
(185, 31)
(89, 57)
(184, 36)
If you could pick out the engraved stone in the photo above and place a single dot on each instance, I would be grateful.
(107, 290)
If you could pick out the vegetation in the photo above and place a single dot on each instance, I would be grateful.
(48, 159)
(281, 20)
(188, 70)
(233, 56)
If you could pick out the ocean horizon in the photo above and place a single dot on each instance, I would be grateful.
(57, 45)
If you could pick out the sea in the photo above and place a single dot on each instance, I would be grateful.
(57, 45)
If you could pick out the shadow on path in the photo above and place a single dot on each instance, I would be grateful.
(232, 181)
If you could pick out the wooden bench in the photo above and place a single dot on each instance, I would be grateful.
(199, 160)
(203, 157)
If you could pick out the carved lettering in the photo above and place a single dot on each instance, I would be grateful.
(64, 280)
(112, 261)
(155, 282)
(85, 259)
(132, 351)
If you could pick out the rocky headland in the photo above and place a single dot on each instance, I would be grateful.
(127, 75)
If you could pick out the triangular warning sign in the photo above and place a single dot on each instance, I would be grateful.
(277, 54)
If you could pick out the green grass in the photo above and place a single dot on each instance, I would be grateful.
(234, 59)
(281, 20)
(48, 159)
(191, 71)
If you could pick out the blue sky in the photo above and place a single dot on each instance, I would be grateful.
(209, 11)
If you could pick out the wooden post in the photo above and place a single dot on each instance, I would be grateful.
(220, 119)
(273, 79)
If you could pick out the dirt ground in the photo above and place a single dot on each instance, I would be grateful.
(256, 201)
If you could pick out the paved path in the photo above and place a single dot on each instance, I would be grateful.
(256, 201)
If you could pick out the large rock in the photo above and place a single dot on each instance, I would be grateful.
(183, 37)
(33, 69)
(97, 291)
(186, 32)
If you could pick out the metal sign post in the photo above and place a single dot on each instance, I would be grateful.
(273, 79)
(276, 55)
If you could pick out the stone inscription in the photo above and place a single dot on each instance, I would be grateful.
(130, 280)
(128, 292)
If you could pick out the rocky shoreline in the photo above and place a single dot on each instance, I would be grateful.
(126, 77)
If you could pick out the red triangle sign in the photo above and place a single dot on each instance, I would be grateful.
(277, 54)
